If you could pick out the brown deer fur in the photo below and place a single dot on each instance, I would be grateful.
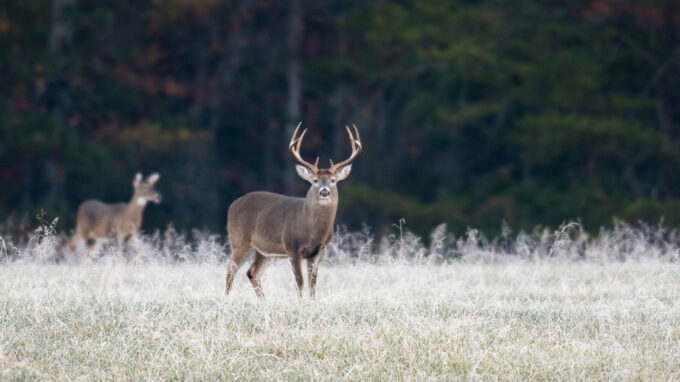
(277, 226)
(122, 221)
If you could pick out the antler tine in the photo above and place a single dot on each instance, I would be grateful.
(356, 132)
(299, 140)
(351, 138)
(356, 148)
(295, 149)
(292, 139)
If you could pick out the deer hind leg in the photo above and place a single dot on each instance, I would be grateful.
(92, 244)
(255, 272)
(297, 271)
(76, 247)
(81, 238)
(73, 245)
(239, 254)
(76, 242)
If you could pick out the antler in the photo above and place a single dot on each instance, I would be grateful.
(356, 149)
(295, 149)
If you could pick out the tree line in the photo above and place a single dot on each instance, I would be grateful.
(471, 113)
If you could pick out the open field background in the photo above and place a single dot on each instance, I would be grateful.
(400, 311)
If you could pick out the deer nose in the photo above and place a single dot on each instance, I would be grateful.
(324, 192)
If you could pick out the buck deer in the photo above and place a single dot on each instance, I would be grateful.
(97, 221)
(278, 226)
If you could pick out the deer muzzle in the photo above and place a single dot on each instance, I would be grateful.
(324, 192)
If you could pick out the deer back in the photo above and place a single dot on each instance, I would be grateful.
(98, 219)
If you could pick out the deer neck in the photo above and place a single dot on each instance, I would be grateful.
(136, 206)
(317, 214)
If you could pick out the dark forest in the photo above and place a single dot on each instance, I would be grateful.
(471, 113)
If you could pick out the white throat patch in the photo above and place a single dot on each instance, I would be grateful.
(141, 201)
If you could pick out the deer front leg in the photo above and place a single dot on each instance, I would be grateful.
(297, 271)
(312, 270)
(137, 245)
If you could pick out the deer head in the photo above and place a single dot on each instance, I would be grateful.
(324, 182)
(144, 189)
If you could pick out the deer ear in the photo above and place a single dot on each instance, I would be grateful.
(343, 172)
(153, 178)
(138, 179)
(304, 173)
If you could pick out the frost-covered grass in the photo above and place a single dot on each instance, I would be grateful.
(551, 305)
(569, 242)
(513, 319)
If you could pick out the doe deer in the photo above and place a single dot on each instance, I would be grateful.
(122, 221)
(272, 226)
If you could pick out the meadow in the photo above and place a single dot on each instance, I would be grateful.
(557, 306)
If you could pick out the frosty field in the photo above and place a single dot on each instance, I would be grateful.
(511, 319)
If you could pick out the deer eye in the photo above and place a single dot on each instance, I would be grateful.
(332, 180)
(316, 180)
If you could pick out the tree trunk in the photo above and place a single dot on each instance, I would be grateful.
(61, 32)
(59, 40)
(664, 115)
(293, 106)
(340, 121)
